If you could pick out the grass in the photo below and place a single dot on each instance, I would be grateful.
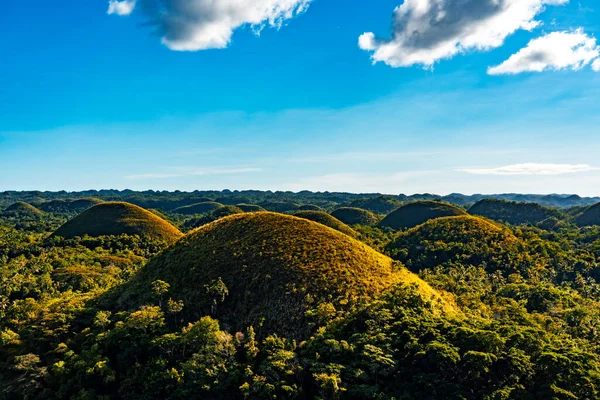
(355, 216)
(464, 240)
(275, 267)
(416, 213)
(198, 208)
(512, 212)
(323, 218)
(250, 208)
(22, 208)
(115, 218)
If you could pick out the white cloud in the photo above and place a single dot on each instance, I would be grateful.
(190, 25)
(596, 65)
(531, 169)
(180, 172)
(121, 7)
(554, 51)
(426, 31)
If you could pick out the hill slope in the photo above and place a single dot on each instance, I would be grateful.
(464, 240)
(323, 218)
(275, 268)
(589, 217)
(23, 209)
(116, 219)
(378, 205)
(198, 208)
(416, 213)
(69, 206)
(512, 212)
(355, 216)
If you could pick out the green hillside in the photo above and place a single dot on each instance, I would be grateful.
(416, 213)
(250, 208)
(22, 209)
(355, 216)
(69, 206)
(589, 217)
(378, 205)
(267, 270)
(512, 212)
(221, 212)
(310, 207)
(199, 208)
(280, 206)
(463, 239)
(116, 219)
(327, 220)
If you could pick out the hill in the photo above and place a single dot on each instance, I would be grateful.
(69, 206)
(250, 208)
(378, 205)
(589, 217)
(267, 270)
(280, 206)
(116, 219)
(221, 212)
(512, 212)
(416, 213)
(310, 207)
(355, 216)
(464, 240)
(198, 208)
(323, 218)
(22, 209)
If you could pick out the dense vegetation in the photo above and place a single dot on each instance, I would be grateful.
(413, 214)
(355, 216)
(514, 213)
(265, 305)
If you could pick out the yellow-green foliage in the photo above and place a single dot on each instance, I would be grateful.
(117, 219)
(416, 213)
(327, 220)
(355, 216)
(464, 239)
(200, 208)
(274, 269)
(22, 208)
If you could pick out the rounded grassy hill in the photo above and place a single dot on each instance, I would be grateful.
(589, 217)
(198, 208)
(413, 214)
(22, 209)
(355, 216)
(464, 240)
(221, 212)
(267, 270)
(378, 205)
(117, 218)
(69, 206)
(310, 207)
(250, 208)
(323, 218)
(512, 212)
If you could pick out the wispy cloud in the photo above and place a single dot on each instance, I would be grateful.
(181, 172)
(554, 51)
(121, 8)
(531, 169)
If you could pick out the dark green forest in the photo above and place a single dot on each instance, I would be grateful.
(280, 295)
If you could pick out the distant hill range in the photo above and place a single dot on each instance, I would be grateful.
(280, 201)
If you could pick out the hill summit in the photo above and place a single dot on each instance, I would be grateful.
(416, 213)
(116, 218)
(267, 270)
(323, 218)
(23, 209)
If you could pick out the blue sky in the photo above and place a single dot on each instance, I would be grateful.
(92, 100)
